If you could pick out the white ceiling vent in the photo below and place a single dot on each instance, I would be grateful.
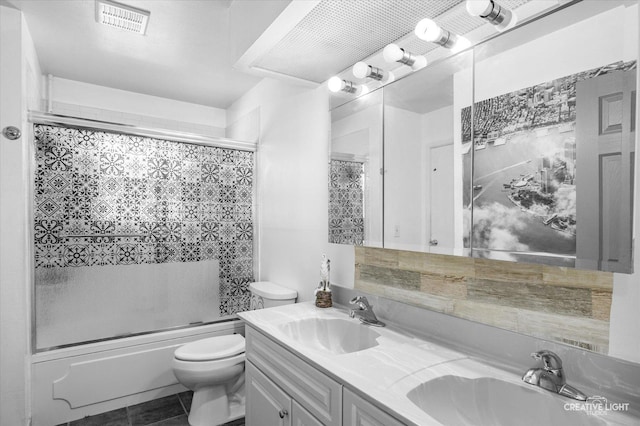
(121, 16)
(313, 40)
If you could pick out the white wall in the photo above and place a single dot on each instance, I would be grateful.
(293, 187)
(70, 97)
(19, 85)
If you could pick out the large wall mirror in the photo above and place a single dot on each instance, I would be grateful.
(355, 181)
(425, 206)
(521, 149)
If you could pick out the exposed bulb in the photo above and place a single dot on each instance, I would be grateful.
(428, 30)
(419, 63)
(335, 84)
(362, 70)
(479, 7)
(460, 44)
(394, 53)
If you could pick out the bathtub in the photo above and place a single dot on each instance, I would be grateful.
(74, 382)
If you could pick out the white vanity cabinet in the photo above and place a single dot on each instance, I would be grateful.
(277, 380)
(270, 405)
(284, 390)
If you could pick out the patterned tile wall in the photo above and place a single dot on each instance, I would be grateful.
(346, 202)
(111, 199)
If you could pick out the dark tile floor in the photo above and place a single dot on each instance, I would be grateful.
(168, 411)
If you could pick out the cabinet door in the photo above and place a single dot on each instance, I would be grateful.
(301, 417)
(312, 389)
(266, 404)
(358, 412)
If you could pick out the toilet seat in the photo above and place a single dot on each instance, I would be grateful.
(212, 348)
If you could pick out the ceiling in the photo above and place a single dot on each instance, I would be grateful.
(187, 53)
(211, 52)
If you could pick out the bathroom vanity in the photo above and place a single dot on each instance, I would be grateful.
(285, 389)
(311, 366)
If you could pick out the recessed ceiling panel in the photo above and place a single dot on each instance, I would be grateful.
(337, 33)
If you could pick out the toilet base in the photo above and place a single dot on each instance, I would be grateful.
(212, 407)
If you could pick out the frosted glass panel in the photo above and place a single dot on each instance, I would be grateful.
(93, 302)
(137, 234)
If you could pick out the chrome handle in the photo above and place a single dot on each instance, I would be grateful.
(361, 302)
(282, 413)
(550, 360)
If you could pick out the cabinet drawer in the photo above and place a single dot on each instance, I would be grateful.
(358, 412)
(315, 392)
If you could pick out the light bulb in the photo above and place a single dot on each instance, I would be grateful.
(479, 7)
(428, 30)
(335, 84)
(461, 44)
(361, 70)
(419, 63)
(392, 53)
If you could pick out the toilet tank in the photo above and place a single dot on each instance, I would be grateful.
(265, 294)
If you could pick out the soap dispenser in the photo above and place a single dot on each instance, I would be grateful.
(323, 292)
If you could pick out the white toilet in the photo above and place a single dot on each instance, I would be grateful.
(214, 367)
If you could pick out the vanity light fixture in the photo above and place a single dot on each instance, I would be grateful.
(363, 70)
(121, 16)
(428, 30)
(394, 53)
(336, 84)
(498, 16)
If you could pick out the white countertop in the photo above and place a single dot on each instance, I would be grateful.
(385, 373)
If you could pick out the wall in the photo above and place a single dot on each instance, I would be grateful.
(293, 255)
(403, 180)
(75, 98)
(292, 186)
(560, 304)
(19, 85)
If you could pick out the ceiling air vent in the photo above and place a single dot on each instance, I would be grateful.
(122, 16)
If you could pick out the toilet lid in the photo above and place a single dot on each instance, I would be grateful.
(272, 291)
(211, 348)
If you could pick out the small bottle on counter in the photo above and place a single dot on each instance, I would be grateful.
(323, 292)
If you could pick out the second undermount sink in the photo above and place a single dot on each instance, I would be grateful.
(454, 400)
(335, 335)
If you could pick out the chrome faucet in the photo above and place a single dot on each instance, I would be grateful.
(364, 312)
(550, 376)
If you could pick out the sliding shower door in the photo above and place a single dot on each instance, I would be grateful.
(134, 234)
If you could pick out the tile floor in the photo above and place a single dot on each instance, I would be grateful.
(168, 411)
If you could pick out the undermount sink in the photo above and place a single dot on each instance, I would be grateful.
(335, 335)
(454, 400)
